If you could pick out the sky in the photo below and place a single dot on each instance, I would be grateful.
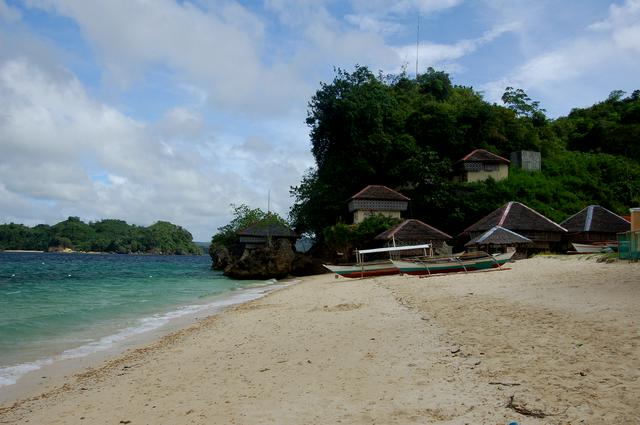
(173, 110)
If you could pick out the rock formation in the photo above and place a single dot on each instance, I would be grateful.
(270, 262)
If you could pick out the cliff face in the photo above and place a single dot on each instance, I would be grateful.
(275, 262)
(220, 257)
(272, 262)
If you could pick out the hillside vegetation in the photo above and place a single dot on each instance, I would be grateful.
(408, 133)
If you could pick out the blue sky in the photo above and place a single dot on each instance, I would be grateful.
(173, 110)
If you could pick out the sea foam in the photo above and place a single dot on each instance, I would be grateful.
(11, 374)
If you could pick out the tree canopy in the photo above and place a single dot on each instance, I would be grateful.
(407, 134)
(243, 217)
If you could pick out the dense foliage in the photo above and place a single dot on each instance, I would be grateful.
(407, 134)
(102, 236)
(342, 239)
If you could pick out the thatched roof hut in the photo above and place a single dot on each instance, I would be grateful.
(481, 164)
(595, 224)
(483, 155)
(379, 193)
(501, 238)
(377, 199)
(260, 233)
(543, 232)
(414, 232)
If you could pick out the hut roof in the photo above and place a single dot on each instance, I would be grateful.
(498, 235)
(482, 155)
(378, 192)
(277, 230)
(412, 230)
(516, 216)
(595, 218)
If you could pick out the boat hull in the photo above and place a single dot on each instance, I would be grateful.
(364, 270)
(594, 248)
(452, 265)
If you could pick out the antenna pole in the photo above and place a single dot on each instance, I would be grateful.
(417, 45)
(269, 218)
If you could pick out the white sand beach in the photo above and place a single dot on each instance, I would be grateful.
(551, 340)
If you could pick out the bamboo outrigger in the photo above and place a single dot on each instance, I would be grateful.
(362, 269)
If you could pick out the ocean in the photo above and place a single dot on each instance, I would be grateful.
(55, 307)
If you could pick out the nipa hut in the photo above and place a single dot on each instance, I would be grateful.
(545, 234)
(376, 199)
(416, 232)
(499, 239)
(480, 165)
(595, 224)
(264, 233)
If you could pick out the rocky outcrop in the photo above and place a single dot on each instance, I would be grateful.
(220, 257)
(60, 249)
(307, 265)
(271, 262)
(275, 262)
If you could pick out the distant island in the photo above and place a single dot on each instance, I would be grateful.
(109, 235)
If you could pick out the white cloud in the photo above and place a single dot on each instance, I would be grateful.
(181, 122)
(219, 48)
(57, 142)
(390, 7)
(348, 48)
(623, 24)
(9, 13)
(373, 24)
(579, 68)
(619, 15)
(441, 55)
(298, 13)
(381, 16)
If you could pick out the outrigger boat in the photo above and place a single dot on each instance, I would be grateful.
(373, 268)
(593, 248)
(463, 263)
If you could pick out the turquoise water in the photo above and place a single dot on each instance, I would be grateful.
(60, 306)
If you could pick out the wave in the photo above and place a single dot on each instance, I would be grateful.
(11, 374)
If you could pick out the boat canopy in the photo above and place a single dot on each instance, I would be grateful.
(394, 248)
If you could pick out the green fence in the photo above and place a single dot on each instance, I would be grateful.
(629, 245)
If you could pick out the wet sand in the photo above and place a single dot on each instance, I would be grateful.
(552, 340)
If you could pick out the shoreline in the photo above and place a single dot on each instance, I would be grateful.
(51, 371)
(555, 337)
(27, 251)
(18, 251)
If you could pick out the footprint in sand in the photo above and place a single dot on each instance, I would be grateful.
(343, 307)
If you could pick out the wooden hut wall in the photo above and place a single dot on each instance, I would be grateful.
(588, 237)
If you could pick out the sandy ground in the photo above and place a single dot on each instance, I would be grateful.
(552, 340)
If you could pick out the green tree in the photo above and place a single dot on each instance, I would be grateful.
(610, 127)
(519, 102)
(14, 236)
(409, 134)
(436, 84)
(342, 239)
(79, 233)
(243, 217)
(172, 239)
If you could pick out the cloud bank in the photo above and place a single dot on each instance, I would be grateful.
(172, 110)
